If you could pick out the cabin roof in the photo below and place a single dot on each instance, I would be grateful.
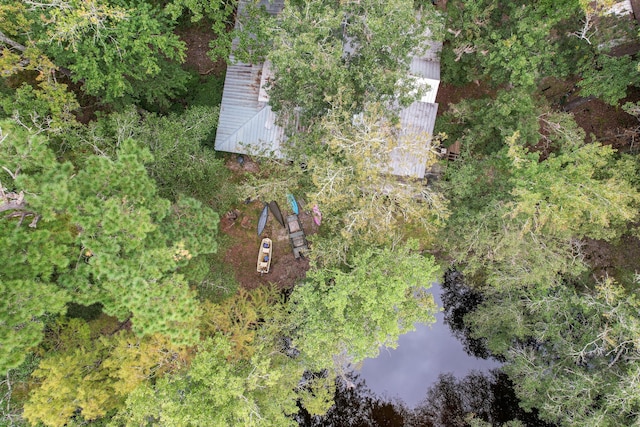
(247, 125)
(416, 121)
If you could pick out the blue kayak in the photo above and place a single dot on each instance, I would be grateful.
(293, 203)
(262, 221)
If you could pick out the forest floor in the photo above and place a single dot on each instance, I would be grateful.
(240, 224)
(197, 38)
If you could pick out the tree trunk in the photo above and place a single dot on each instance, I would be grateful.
(6, 40)
(14, 44)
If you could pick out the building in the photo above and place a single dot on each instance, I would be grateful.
(247, 125)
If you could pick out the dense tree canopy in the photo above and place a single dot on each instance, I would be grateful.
(109, 212)
(351, 314)
(90, 378)
(99, 233)
(255, 392)
(329, 56)
(353, 181)
(536, 200)
(569, 353)
(115, 50)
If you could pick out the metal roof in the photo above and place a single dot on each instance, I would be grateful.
(417, 122)
(247, 125)
(426, 68)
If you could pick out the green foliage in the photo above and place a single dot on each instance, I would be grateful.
(217, 11)
(98, 233)
(609, 78)
(572, 194)
(13, 392)
(35, 95)
(496, 251)
(22, 306)
(240, 376)
(194, 226)
(250, 40)
(309, 47)
(517, 43)
(254, 392)
(351, 314)
(202, 91)
(354, 185)
(570, 354)
(273, 182)
(213, 278)
(121, 50)
(116, 50)
(482, 125)
(528, 191)
(506, 41)
(182, 165)
(49, 106)
(523, 213)
(250, 320)
(89, 378)
(317, 394)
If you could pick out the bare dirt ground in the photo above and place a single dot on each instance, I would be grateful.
(450, 94)
(197, 39)
(612, 260)
(610, 125)
(241, 225)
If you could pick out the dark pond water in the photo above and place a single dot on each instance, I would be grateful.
(429, 380)
(421, 357)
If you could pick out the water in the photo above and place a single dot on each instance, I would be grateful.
(429, 380)
(421, 356)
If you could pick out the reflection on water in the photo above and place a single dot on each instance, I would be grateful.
(429, 380)
(420, 358)
(450, 402)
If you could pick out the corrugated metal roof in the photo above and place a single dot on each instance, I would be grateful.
(273, 7)
(621, 8)
(427, 68)
(417, 122)
(247, 124)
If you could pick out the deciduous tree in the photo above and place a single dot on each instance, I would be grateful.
(362, 201)
(340, 57)
(94, 377)
(569, 353)
(258, 391)
(115, 50)
(353, 313)
(182, 164)
(577, 193)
